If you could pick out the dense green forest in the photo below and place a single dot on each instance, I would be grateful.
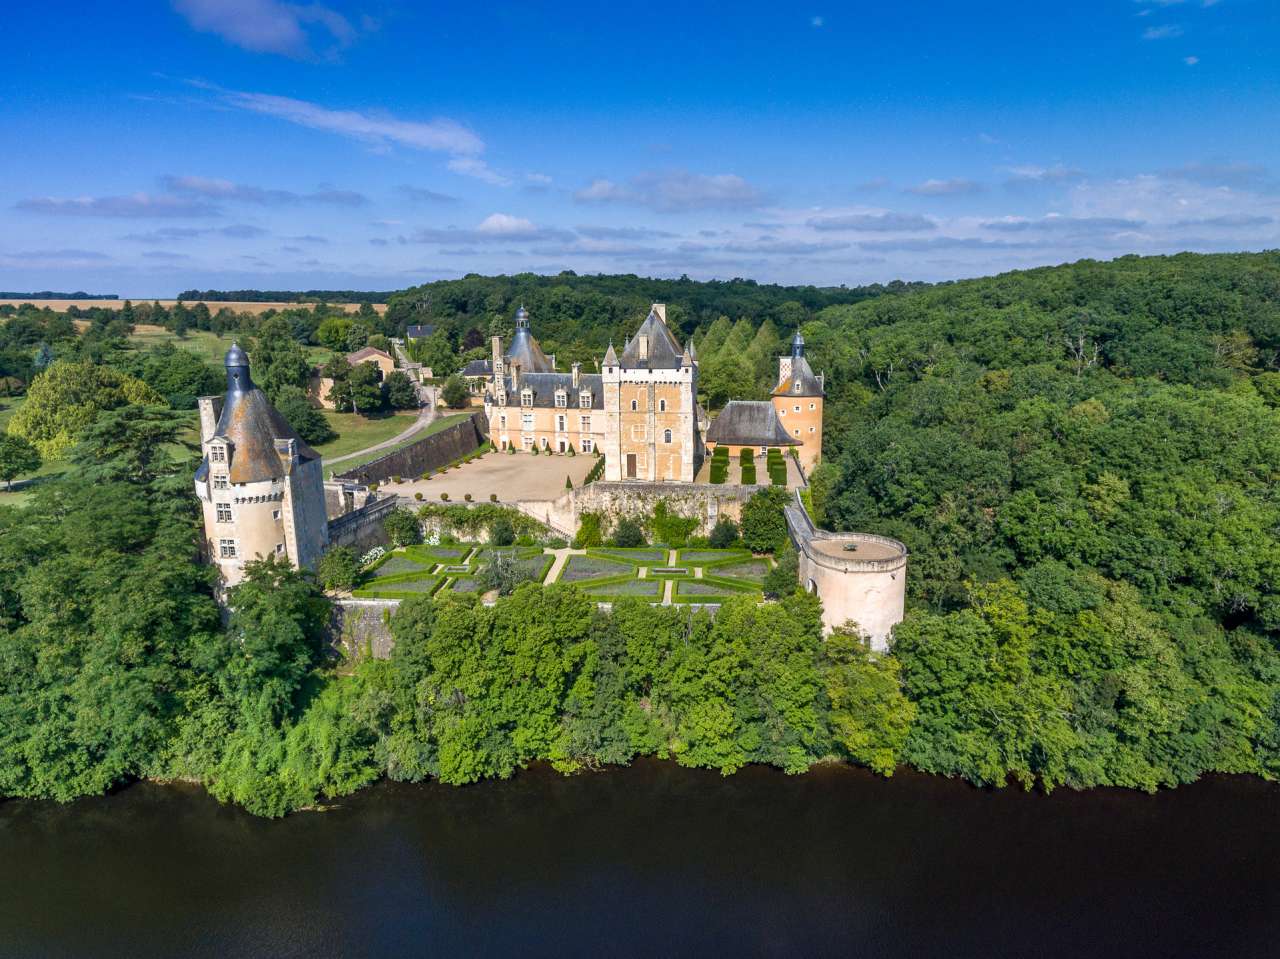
(1083, 461)
(283, 296)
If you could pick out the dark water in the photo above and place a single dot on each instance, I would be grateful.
(653, 860)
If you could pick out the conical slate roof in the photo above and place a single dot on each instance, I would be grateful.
(251, 426)
(800, 381)
(525, 349)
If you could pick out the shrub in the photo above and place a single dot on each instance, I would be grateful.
(556, 542)
(418, 496)
(628, 534)
(402, 528)
(511, 450)
(719, 470)
(493, 497)
(783, 579)
(534, 449)
(445, 497)
(749, 474)
(572, 451)
(764, 525)
(590, 531)
(568, 483)
(395, 479)
(427, 475)
(724, 534)
(455, 393)
(467, 497)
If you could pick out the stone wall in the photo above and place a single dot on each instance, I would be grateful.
(359, 628)
(429, 453)
(705, 502)
(362, 528)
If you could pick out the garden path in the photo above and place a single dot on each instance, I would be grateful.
(425, 416)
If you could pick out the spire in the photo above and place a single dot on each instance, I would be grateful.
(610, 357)
(522, 318)
(237, 364)
(797, 345)
(687, 358)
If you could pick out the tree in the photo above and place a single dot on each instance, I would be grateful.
(67, 397)
(402, 527)
(455, 393)
(308, 421)
(332, 333)
(764, 524)
(437, 354)
(17, 457)
(401, 392)
(870, 715)
(783, 579)
(504, 572)
(502, 532)
(278, 359)
(339, 568)
(628, 534)
(724, 534)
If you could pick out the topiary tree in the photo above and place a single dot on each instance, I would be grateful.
(402, 528)
(764, 525)
(339, 568)
(724, 534)
(568, 483)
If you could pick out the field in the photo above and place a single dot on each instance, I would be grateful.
(435, 426)
(210, 347)
(239, 306)
(357, 432)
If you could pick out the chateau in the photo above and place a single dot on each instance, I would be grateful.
(641, 410)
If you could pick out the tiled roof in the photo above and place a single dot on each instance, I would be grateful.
(665, 352)
(367, 353)
(749, 423)
(251, 425)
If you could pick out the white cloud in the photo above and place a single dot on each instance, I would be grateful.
(954, 187)
(478, 169)
(1164, 32)
(675, 191)
(506, 225)
(1030, 173)
(873, 222)
(219, 189)
(133, 205)
(817, 22)
(268, 26)
(1191, 61)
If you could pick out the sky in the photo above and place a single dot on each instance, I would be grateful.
(152, 147)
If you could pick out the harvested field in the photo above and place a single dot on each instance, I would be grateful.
(239, 306)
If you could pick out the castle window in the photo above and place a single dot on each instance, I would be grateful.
(813, 406)
(782, 412)
(662, 406)
(224, 512)
(584, 399)
(526, 397)
(586, 445)
(634, 406)
(561, 446)
(217, 454)
(811, 429)
(797, 432)
(526, 421)
(226, 549)
(560, 425)
(502, 421)
(562, 398)
(275, 514)
(279, 549)
(526, 442)
(219, 480)
(585, 424)
(502, 399)
(666, 436)
(797, 407)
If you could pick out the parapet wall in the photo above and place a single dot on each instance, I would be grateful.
(362, 528)
(429, 453)
(360, 628)
(705, 502)
(866, 586)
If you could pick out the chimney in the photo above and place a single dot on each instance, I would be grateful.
(577, 370)
(495, 344)
(210, 410)
(515, 376)
(643, 341)
(660, 311)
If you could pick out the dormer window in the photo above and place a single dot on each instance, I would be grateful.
(584, 399)
(220, 481)
(798, 386)
(644, 346)
(562, 399)
(526, 397)
(217, 453)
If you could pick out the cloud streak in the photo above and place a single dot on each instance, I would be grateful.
(873, 223)
(675, 191)
(268, 26)
(135, 205)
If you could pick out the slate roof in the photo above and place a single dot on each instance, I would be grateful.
(665, 352)
(801, 373)
(526, 351)
(251, 425)
(544, 386)
(478, 368)
(749, 423)
(419, 332)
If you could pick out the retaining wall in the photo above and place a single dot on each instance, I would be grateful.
(358, 627)
(705, 502)
(362, 528)
(429, 453)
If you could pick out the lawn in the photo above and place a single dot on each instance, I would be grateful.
(8, 406)
(398, 563)
(644, 556)
(435, 426)
(357, 432)
(631, 587)
(404, 589)
(709, 557)
(210, 347)
(753, 570)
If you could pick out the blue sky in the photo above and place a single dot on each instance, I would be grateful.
(152, 147)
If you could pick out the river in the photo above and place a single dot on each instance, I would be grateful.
(653, 860)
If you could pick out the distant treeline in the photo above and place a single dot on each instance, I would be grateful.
(55, 295)
(283, 296)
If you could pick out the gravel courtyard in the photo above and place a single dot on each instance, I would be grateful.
(519, 476)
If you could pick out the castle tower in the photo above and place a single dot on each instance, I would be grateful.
(651, 408)
(260, 486)
(798, 399)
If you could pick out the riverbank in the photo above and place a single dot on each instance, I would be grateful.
(654, 859)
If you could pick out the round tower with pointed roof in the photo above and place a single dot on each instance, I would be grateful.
(260, 485)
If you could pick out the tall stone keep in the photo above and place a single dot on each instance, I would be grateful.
(798, 399)
(260, 486)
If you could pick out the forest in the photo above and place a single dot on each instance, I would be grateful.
(1083, 461)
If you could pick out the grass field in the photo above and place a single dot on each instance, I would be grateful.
(8, 406)
(210, 347)
(580, 568)
(357, 432)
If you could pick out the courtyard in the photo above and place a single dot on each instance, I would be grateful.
(508, 476)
